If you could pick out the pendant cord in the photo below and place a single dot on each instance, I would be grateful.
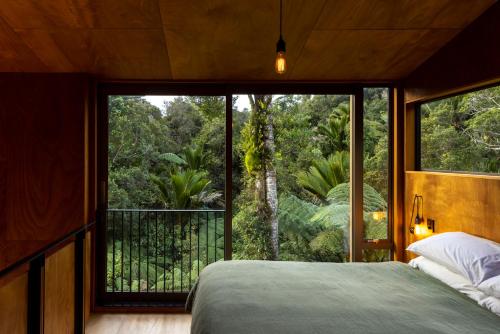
(281, 15)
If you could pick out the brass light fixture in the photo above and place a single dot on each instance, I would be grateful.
(280, 64)
(421, 226)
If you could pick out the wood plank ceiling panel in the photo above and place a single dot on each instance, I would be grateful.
(228, 40)
(362, 54)
(112, 39)
(400, 14)
(383, 40)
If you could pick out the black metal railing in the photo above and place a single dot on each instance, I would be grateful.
(36, 283)
(160, 251)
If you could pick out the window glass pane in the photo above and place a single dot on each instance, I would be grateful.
(462, 133)
(375, 163)
(166, 180)
(291, 172)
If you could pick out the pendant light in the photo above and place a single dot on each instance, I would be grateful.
(280, 65)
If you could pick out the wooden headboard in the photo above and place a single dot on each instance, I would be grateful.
(458, 202)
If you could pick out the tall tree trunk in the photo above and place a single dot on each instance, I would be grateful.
(271, 189)
(265, 182)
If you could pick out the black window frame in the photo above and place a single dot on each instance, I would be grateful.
(105, 89)
(418, 130)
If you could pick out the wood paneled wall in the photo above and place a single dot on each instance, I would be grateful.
(59, 311)
(14, 304)
(88, 276)
(47, 189)
(43, 160)
(457, 202)
(471, 58)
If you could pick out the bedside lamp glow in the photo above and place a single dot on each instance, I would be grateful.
(420, 226)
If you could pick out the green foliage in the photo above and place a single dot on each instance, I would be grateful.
(325, 174)
(253, 142)
(251, 236)
(328, 246)
(185, 189)
(175, 158)
(337, 211)
(335, 131)
(462, 133)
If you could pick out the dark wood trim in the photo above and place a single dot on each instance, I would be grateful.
(80, 282)
(390, 171)
(179, 309)
(59, 246)
(398, 175)
(209, 88)
(152, 298)
(409, 136)
(35, 295)
(418, 138)
(13, 274)
(48, 249)
(356, 177)
(102, 193)
(378, 244)
(123, 87)
(228, 222)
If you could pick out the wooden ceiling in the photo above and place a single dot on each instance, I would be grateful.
(228, 39)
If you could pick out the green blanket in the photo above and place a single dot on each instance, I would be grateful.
(258, 297)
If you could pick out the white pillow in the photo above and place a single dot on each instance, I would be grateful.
(475, 258)
(491, 286)
(454, 280)
(491, 303)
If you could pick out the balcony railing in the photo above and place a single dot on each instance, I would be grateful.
(160, 251)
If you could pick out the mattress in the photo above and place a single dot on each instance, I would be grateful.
(257, 297)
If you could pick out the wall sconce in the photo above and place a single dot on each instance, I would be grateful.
(420, 225)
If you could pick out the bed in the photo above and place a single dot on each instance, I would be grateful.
(258, 297)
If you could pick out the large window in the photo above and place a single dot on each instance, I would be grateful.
(166, 183)
(189, 180)
(376, 177)
(461, 133)
(291, 181)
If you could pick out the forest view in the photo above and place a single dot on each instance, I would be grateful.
(290, 176)
(462, 133)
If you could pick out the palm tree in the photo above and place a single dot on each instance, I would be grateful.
(187, 185)
(325, 174)
(185, 189)
(191, 157)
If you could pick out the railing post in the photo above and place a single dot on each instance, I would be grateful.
(35, 293)
(79, 282)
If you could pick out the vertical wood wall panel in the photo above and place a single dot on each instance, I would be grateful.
(59, 311)
(14, 305)
(87, 272)
(43, 165)
(457, 202)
